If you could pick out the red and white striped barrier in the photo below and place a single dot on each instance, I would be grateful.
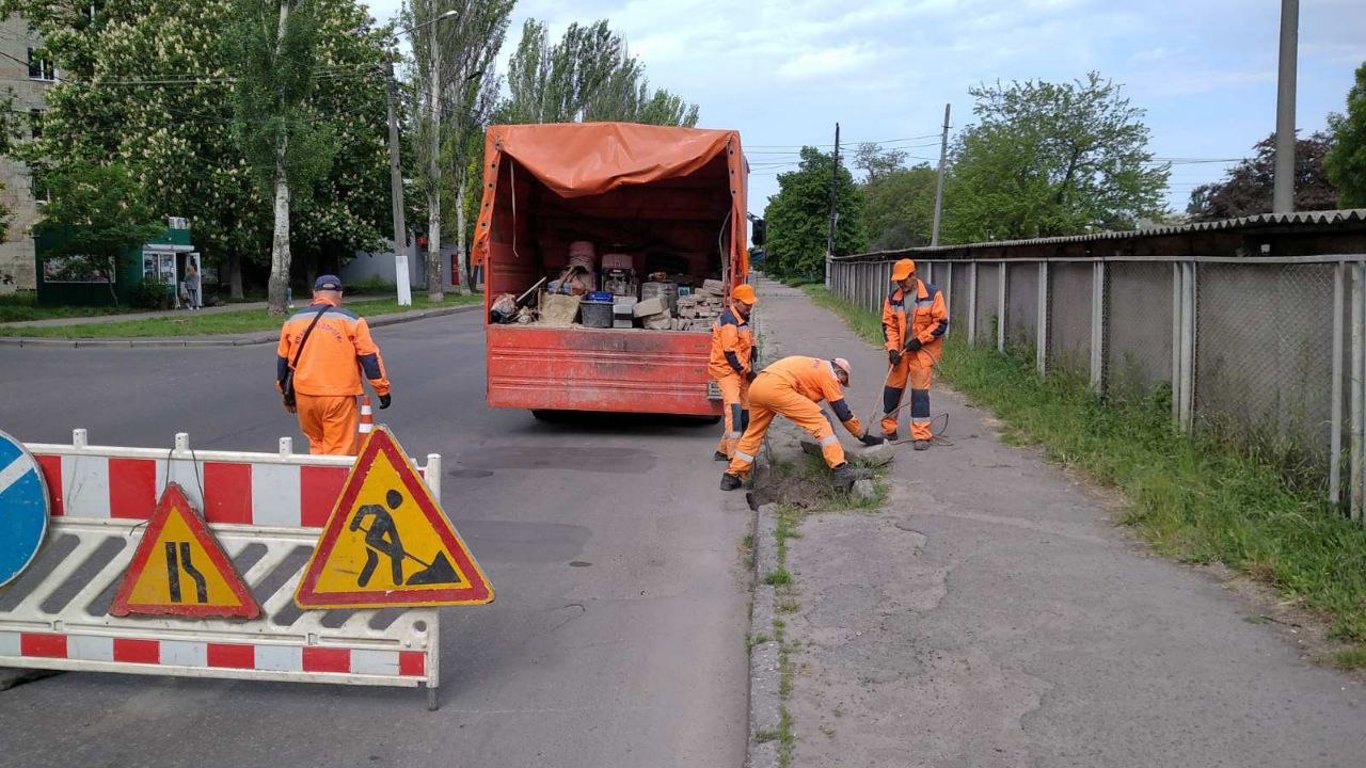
(264, 509)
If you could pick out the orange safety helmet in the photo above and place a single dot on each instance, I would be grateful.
(902, 270)
(744, 292)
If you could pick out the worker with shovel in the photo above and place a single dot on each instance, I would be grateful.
(732, 366)
(793, 387)
(914, 321)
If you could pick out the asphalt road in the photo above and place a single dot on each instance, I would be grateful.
(617, 638)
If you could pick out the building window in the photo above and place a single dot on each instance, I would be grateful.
(40, 68)
(38, 187)
(35, 123)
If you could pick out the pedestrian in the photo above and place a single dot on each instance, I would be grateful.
(914, 321)
(192, 285)
(732, 366)
(793, 387)
(323, 351)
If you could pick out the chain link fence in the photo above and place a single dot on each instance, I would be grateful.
(1242, 347)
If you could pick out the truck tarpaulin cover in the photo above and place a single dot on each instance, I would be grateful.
(578, 160)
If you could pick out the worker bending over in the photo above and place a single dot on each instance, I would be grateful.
(914, 321)
(732, 366)
(794, 387)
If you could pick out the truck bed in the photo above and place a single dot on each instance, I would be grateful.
(599, 369)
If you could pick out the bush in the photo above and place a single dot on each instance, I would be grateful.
(151, 296)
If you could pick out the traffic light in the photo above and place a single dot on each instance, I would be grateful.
(759, 232)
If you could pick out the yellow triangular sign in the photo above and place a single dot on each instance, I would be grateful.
(179, 569)
(387, 543)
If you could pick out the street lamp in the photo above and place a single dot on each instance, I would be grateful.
(405, 291)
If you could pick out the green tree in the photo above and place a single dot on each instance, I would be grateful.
(898, 202)
(96, 214)
(274, 48)
(456, 87)
(1047, 159)
(799, 218)
(1346, 163)
(1247, 189)
(588, 75)
(151, 84)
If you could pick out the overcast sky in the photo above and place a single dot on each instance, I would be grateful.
(783, 72)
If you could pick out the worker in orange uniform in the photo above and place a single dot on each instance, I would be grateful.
(914, 321)
(732, 365)
(327, 348)
(794, 387)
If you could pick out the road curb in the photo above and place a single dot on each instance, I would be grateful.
(765, 674)
(236, 340)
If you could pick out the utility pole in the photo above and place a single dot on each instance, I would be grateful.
(939, 185)
(1283, 194)
(834, 201)
(405, 294)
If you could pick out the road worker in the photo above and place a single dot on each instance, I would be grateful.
(323, 351)
(793, 387)
(732, 366)
(914, 321)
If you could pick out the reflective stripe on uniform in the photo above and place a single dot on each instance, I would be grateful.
(921, 421)
(734, 435)
(829, 440)
(745, 457)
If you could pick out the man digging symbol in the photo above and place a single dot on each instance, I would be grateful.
(382, 538)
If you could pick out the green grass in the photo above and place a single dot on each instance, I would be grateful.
(1353, 658)
(215, 323)
(1198, 499)
(20, 307)
(775, 578)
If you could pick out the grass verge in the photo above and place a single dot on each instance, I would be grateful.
(20, 307)
(1198, 499)
(218, 323)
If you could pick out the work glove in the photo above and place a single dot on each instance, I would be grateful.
(914, 345)
(894, 357)
(289, 407)
(751, 376)
(384, 401)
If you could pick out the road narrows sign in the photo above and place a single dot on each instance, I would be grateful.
(388, 544)
(24, 508)
(179, 569)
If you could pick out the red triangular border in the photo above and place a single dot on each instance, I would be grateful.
(477, 592)
(171, 497)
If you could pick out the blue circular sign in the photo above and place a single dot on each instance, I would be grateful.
(23, 508)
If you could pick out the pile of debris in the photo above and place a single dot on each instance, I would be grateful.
(698, 311)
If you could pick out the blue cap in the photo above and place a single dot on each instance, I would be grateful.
(327, 283)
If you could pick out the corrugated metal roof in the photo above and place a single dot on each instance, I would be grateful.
(1302, 218)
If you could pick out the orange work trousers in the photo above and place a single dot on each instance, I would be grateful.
(917, 368)
(332, 424)
(770, 396)
(735, 400)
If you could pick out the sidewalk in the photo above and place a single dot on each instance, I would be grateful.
(992, 615)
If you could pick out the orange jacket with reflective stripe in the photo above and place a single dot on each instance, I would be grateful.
(814, 379)
(923, 312)
(338, 351)
(732, 345)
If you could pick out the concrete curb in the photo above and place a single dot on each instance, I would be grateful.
(236, 340)
(765, 676)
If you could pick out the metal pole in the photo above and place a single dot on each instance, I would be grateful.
(1001, 309)
(972, 304)
(1098, 325)
(947, 288)
(433, 270)
(939, 185)
(405, 296)
(1188, 321)
(1335, 423)
(1356, 405)
(1283, 192)
(834, 200)
(1178, 359)
(1041, 332)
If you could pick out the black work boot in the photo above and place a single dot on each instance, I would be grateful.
(719, 456)
(730, 482)
(845, 476)
(921, 445)
(890, 437)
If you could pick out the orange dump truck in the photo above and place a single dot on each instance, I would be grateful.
(660, 199)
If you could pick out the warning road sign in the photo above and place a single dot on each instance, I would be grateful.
(180, 570)
(23, 508)
(388, 543)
